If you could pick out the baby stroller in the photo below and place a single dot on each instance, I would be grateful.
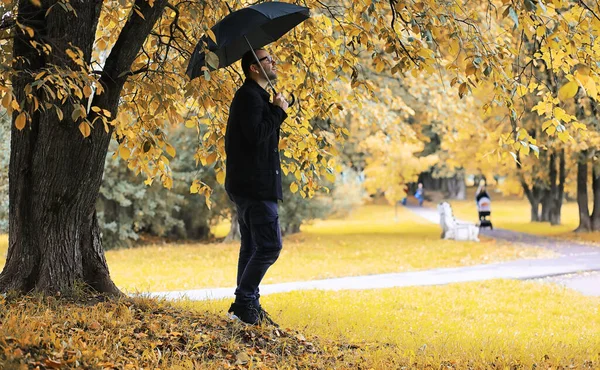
(484, 209)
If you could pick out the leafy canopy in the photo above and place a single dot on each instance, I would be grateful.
(511, 50)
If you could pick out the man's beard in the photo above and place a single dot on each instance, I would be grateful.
(271, 75)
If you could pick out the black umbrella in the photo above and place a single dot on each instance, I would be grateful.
(244, 30)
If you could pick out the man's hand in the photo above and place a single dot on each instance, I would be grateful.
(281, 102)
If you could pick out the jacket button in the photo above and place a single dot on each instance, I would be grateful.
(277, 172)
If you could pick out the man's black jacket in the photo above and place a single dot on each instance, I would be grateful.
(253, 169)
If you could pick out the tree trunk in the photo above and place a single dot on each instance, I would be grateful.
(558, 190)
(546, 206)
(596, 191)
(548, 201)
(461, 194)
(585, 221)
(533, 195)
(234, 230)
(535, 211)
(55, 173)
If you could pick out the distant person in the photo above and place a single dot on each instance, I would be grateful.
(420, 194)
(484, 205)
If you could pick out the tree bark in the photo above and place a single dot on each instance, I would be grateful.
(234, 230)
(585, 221)
(558, 190)
(55, 173)
(534, 196)
(535, 211)
(596, 191)
(548, 202)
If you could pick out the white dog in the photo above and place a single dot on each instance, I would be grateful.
(454, 230)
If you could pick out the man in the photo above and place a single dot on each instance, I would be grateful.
(253, 180)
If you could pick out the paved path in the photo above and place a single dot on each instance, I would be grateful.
(566, 269)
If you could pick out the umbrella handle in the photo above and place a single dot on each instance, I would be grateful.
(292, 100)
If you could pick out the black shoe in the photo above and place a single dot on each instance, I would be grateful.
(245, 313)
(266, 318)
(250, 314)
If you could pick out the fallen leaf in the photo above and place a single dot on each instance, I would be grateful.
(242, 358)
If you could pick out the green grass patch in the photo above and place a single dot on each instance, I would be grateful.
(491, 324)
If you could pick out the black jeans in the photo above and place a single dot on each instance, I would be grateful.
(260, 247)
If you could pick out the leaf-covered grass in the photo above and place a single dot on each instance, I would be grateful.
(46, 333)
(370, 241)
(496, 324)
(515, 215)
(493, 324)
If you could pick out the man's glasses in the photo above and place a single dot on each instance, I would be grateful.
(268, 58)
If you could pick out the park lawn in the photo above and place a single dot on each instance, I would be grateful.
(491, 324)
(513, 214)
(370, 241)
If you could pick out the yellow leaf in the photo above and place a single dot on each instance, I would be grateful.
(87, 91)
(171, 151)
(582, 69)
(102, 44)
(190, 123)
(522, 90)
(59, 113)
(71, 54)
(462, 89)
(540, 31)
(591, 89)
(124, 152)
(211, 158)
(21, 121)
(563, 136)
(294, 187)
(6, 100)
(221, 177)
(547, 124)
(212, 36)
(141, 16)
(85, 129)
(568, 90)
(195, 187)
(470, 70)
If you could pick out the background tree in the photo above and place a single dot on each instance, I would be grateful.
(56, 158)
(4, 159)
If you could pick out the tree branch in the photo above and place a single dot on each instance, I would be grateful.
(130, 41)
(588, 8)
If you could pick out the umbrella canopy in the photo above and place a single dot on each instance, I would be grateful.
(247, 29)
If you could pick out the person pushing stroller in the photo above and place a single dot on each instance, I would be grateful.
(484, 206)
